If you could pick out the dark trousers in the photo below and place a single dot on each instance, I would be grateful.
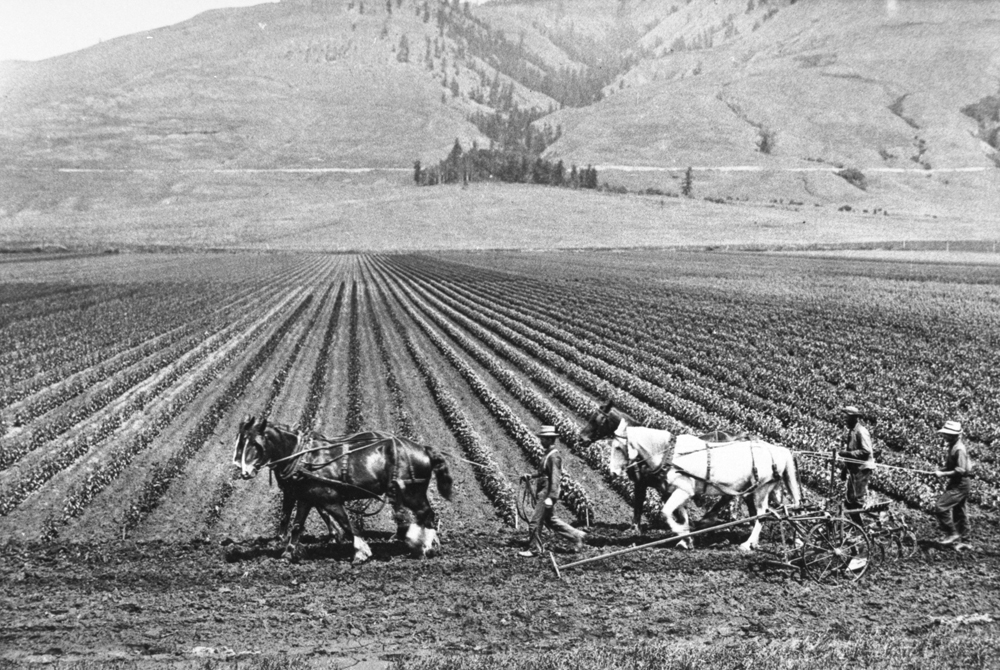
(543, 517)
(950, 509)
(857, 492)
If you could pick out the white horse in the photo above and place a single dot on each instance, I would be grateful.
(696, 466)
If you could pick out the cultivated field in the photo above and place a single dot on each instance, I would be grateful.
(126, 537)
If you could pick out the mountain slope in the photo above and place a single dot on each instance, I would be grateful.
(783, 93)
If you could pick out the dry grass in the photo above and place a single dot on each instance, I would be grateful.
(337, 213)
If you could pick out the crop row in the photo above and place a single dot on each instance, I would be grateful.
(162, 475)
(574, 495)
(591, 372)
(102, 394)
(24, 481)
(317, 382)
(491, 478)
(539, 406)
(149, 314)
(401, 418)
(355, 410)
(146, 428)
(808, 432)
(805, 343)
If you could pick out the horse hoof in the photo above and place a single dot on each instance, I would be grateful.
(746, 548)
(684, 544)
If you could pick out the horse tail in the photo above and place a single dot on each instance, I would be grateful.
(791, 478)
(441, 473)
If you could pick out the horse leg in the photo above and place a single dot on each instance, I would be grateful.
(287, 505)
(301, 513)
(638, 502)
(676, 503)
(333, 531)
(711, 517)
(757, 506)
(422, 535)
(362, 552)
(399, 514)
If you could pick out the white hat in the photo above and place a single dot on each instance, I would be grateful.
(951, 428)
(547, 431)
(851, 410)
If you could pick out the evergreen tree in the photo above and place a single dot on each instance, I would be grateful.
(688, 182)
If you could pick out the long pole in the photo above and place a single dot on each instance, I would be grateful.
(674, 538)
(851, 460)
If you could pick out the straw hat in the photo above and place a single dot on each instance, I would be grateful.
(851, 410)
(547, 431)
(951, 428)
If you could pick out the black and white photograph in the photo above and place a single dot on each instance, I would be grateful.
(499, 334)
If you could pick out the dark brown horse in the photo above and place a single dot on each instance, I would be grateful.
(327, 472)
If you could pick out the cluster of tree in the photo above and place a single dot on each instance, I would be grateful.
(507, 166)
(513, 132)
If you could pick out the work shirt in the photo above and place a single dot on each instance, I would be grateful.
(958, 462)
(551, 475)
(859, 448)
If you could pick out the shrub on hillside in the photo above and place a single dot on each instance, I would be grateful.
(854, 177)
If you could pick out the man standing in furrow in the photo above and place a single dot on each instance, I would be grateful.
(950, 507)
(548, 495)
(860, 461)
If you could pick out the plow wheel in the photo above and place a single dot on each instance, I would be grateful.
(836, 551)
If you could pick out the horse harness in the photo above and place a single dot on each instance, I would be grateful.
(298, 468)
(642, 461)
(756, 482)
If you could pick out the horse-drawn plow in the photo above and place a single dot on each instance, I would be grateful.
(820, 545)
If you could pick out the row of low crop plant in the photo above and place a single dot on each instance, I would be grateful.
(92, 333)
(225, 488)
(72, 405)
(402, 420)
(141, 432)
(574, 348)
(44, 350)
(448, 320)
(163, 474)
(96, 430)
(488, 473)
(609, 316)
(574, 495)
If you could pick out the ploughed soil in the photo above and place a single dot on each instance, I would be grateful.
(164, 604)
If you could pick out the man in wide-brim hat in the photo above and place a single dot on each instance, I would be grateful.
(548, 494)
(950, 507)
(860, 460)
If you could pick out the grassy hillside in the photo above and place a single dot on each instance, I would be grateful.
(868, 84)
(766, 99)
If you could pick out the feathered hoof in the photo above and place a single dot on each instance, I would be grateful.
(746, 548)
(362, 552)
